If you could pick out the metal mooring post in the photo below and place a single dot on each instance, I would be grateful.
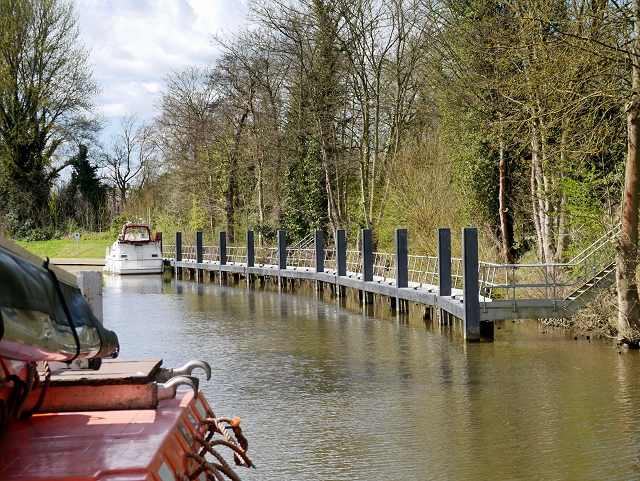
(319, 251)
(251, 256)
(444, 262)
(319, 245)
(282, 253)
(402, 266)
(178, 246)
(470, 284)
(341, 259)
(251, 253)
(367, 264)
(222, 243)
(198, 271)
(444, 267)
(198, 247)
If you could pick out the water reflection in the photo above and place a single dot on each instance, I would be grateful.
(328, 392)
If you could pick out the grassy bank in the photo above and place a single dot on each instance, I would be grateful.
(92, 245)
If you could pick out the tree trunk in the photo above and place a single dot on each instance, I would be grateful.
(229, 207)
(502, 207)
(535, 152)
(627, 245)
(563, 228)
(334, 219)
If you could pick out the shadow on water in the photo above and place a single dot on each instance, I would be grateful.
(329, 389)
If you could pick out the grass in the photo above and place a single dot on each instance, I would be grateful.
(92, 245)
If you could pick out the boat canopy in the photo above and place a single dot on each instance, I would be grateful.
(135, 234)
(43, 314)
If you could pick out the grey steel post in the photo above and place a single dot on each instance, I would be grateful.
(222, 243)
(178, 246)
(341, 252)
(319, 245)
(367, 255)
(198, 247)
(282, 249)
(251, 254)
(402, 269)
(470, 284)
(444, 262)
(402, 259)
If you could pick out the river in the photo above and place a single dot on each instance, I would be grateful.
(329, 393)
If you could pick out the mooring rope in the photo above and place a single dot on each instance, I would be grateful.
(216, 470)
(14, 407)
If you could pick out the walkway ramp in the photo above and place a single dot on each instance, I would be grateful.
(538, 291)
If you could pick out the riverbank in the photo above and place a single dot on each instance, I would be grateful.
(597, 319)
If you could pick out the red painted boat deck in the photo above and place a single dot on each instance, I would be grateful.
(129, 445)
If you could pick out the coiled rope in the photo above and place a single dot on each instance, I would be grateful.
(14, 407)
(217, 471)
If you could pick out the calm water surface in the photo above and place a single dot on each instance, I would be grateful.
(326, 393)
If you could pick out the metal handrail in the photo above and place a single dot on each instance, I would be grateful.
(557, 281)
(302, 257)
(596, 244)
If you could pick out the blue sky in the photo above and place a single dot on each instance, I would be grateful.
(135, 43)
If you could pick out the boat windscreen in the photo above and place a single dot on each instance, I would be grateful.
(136, 234)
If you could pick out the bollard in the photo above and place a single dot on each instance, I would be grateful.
(470, 284)
(282, 249)
(444, 262)
(222, 243)
(367, 264)
(251, 255)
(367, 255)
(444, 268)
(319, 245)
(198, 247)
(178, 246)
(282, 254)
(402, 268)
(341, 252)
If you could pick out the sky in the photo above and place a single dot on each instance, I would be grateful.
(135, 43)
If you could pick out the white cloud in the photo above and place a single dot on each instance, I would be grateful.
(134, 43)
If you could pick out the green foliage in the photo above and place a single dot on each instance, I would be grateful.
(46, 93)
(198, 220)
(83, 199)
(306, 194)
(117, 222)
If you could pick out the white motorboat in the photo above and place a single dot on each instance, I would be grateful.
(135, 252)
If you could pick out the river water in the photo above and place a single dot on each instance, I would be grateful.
(330, 393)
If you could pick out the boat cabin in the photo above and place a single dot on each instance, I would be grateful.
(135, 234)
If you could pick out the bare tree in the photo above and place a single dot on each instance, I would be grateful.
(129, 156)
(190, 133)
